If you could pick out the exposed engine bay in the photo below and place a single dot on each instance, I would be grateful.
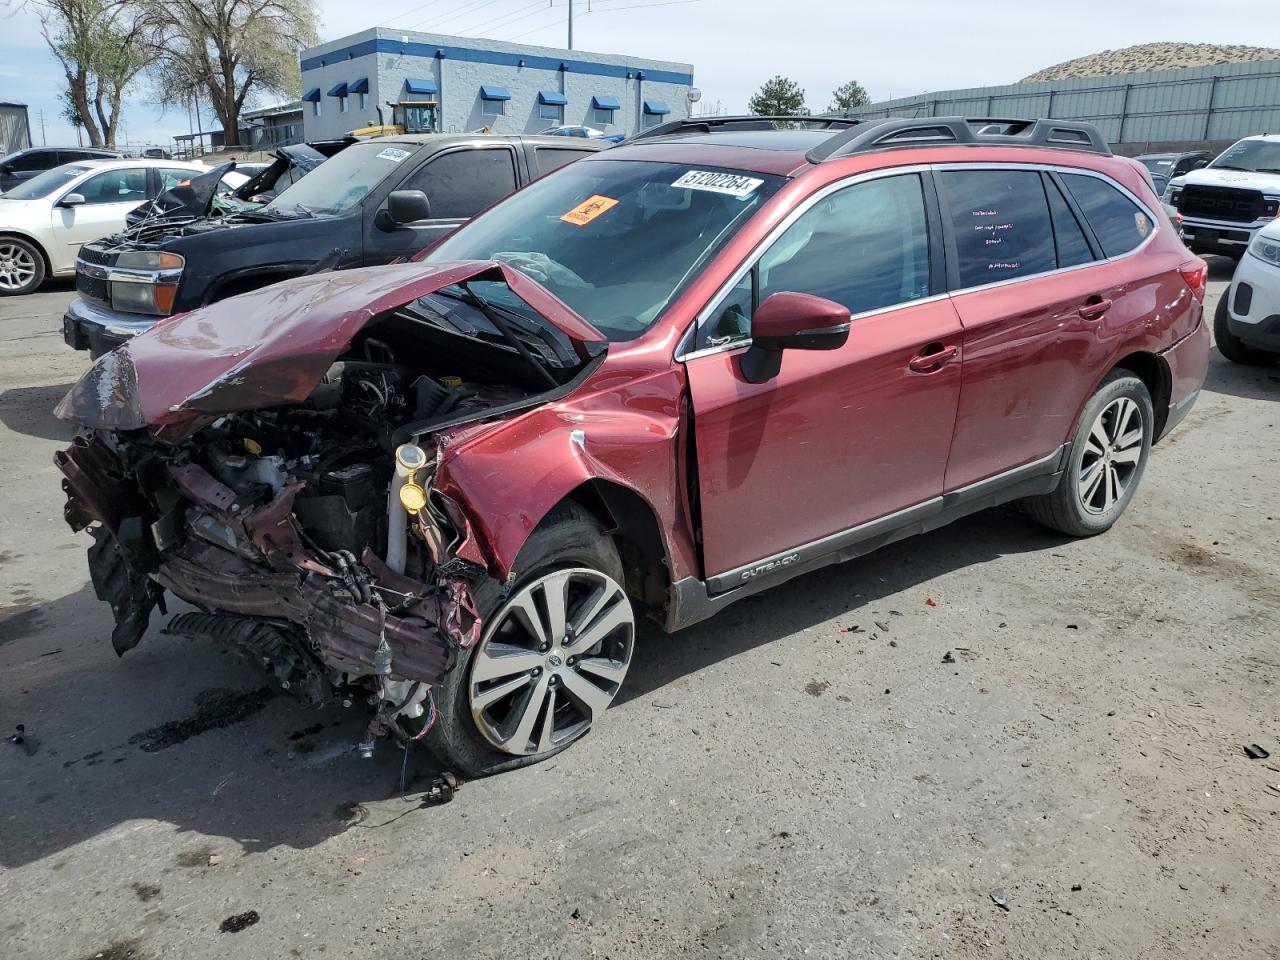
(308, 533)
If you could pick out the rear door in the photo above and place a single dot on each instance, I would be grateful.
(842, 437)
(1033, 292)
(459, 183)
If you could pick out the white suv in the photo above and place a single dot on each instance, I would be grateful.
(1246, 327)
(1224, 204)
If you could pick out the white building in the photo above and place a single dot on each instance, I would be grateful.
(427, 82)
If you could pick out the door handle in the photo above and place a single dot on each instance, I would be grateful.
(1094, 309)
(932, 358)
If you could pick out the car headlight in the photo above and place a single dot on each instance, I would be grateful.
(1171, 194)
(1266, 249)
(150, 260)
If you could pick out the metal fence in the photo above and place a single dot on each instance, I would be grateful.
(1222, 102)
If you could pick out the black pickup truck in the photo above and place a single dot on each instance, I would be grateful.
(374, 202)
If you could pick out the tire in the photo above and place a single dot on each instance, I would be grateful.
(1086, 502)
(1231, 346)
(568, 550)
(22, 267)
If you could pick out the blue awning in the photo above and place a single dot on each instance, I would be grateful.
(657, 108)
(338, 90)
(605, 103)
(552, 99)
(312, 95)
(359, 86)
(420, 86)
(491, 91)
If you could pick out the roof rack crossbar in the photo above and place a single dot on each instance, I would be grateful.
(898, 132)
(741, 122)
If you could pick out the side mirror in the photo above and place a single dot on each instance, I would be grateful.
(406, 206)
(792, 321)
(72, 200)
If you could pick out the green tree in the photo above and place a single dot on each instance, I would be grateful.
(99, 46)
(227, 51)
(779, 97)
(847, 96)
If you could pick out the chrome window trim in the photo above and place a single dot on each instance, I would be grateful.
(689, 337)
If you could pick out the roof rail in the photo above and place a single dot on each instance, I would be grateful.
(897, 132)
(744, 122)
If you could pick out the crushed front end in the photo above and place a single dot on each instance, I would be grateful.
(285, 490)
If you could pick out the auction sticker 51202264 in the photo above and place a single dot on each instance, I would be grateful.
(731, 184)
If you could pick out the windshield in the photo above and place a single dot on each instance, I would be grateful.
(45, 183)
(616, 240)
(1156, 164)
(339, 184)
(1256, 156)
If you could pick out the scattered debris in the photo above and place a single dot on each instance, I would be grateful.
(1255, 752)
(442, 789)
(884, 627)
(198, 857)
(997, 897)
(51, 653)
(854, 629)
(1073, 626)
(1111, 713)
(19, 738)
(948, 658)
(929, 602)
(214, 859)
(1077, 887)
(893, 643)
(576, 915)
(1026, 763)
(1002, 624)
(130, 949)
(816, 688)
(239, 921)
(146, 891)
(895, 613)
(1049, 718)
(886, 691)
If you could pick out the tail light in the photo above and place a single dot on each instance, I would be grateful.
(1195, 273)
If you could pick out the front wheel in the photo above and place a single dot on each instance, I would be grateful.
(553, 653)
(21, 267)
(1108, 456)
(1231, 346)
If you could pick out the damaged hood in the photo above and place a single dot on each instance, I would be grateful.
(272, 346)
(190, 198)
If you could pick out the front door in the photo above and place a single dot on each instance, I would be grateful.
(108, 198)
(840, 437)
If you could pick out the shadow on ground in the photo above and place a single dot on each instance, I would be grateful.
(29, 410)
(190, 735)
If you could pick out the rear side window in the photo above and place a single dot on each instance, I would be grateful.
(553, 158)
(1119, 224)
(1073, 248)
(461, 184)
(1001, 223)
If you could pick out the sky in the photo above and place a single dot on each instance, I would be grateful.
(893, 49)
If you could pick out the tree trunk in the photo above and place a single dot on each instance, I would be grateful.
(78, 86)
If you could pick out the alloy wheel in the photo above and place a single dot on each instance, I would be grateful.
(1111, 456)
(551, 660)
(17, 267)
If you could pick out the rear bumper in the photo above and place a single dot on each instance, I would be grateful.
(1188, 361)
(1253, 304)
(88, 326)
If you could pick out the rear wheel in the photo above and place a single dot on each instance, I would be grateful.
(1108, 457)
(553, 654)
(1231, 346)
(21, 266)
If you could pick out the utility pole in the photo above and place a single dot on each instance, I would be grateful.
(43, 141)
(570, 24)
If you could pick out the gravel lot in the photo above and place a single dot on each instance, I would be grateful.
(801, 776)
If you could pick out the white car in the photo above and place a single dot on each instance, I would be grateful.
(1247, 324)
(44, 221)
(1224, 204)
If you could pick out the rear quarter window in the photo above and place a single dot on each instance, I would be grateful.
(1119, 224)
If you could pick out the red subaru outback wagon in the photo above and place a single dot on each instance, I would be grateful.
(657, 380)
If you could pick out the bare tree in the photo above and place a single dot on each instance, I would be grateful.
(227, 50)
(99, 45)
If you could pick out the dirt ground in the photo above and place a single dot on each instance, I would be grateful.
(802, 776)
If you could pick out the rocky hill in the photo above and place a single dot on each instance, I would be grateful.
(1152, 56)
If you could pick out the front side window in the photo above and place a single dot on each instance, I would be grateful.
(35, 160)
(865, 246)
(1000, 221)
(602, 118)
(1119, 224)
(461, 184)
(115, 186)
(44, 184)
(616, 240)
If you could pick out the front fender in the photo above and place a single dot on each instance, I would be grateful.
(508, 477)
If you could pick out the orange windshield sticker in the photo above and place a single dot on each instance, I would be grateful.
(587, 211)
